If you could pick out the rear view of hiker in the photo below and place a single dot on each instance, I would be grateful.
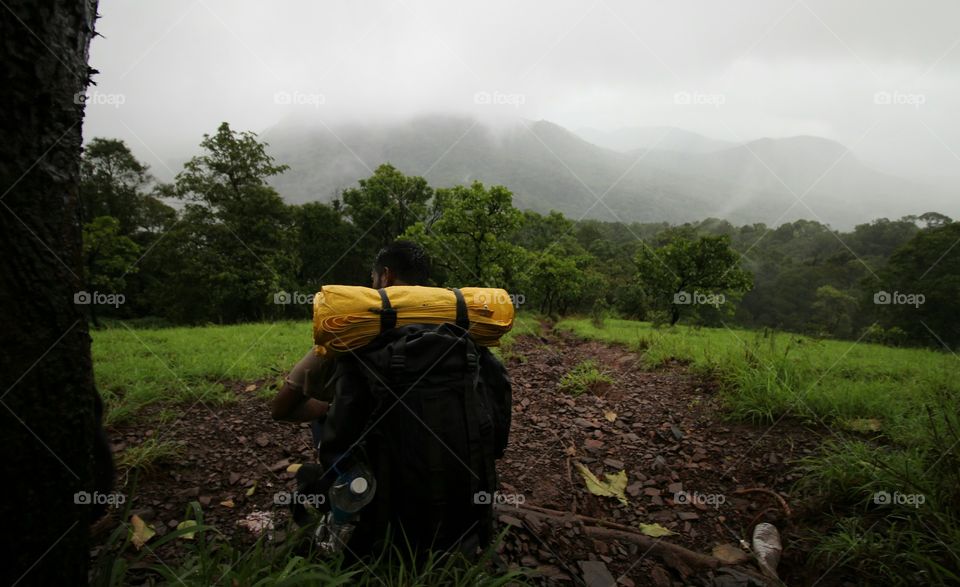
(426, 411)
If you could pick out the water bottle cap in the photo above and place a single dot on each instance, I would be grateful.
(359, 485)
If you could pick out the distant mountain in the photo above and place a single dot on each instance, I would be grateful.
(662, 138)
(550, 168)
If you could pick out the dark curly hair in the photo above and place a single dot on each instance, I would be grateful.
(408, 261)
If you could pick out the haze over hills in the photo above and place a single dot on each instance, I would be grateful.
(550, 168)
(663, 138)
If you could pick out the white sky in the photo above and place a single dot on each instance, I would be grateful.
(755, 68)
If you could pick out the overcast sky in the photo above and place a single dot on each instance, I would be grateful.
(881, 77)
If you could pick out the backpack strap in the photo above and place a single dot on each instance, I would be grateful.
(463, 317)
(388, 314)
(479, 436)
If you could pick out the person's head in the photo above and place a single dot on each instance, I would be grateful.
(400, 263)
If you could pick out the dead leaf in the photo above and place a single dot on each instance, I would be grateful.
(251, 387)
(227, 503)
(140, 531)
(610, 415)
(655, 530)
(294, 468)
(187, 524)
(862, 425)
(252, 489)
(612, 487)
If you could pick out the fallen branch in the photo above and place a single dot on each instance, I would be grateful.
(777, 496)
(683, 560)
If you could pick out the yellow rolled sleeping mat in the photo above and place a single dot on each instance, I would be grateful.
(347, 317)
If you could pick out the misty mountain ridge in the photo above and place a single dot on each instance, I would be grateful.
(686, 177)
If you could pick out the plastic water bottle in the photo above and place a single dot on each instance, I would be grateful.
(351, 491)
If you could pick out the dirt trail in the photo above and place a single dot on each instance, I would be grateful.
(664, 428)
(670, 437)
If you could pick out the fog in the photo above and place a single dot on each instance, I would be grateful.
(881, 77)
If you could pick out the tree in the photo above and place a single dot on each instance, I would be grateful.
(48, 402)
(385, 205)
(108, 257)
(235, 246)
(468, 240)
(327, 254)
(833, 312)
(684, 274)
(112, 183)
(928, 266)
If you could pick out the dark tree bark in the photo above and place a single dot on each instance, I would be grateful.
(47, 406)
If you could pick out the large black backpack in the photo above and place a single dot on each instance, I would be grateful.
(433, 433)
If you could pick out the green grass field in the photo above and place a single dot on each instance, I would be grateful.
(892, 418)
(137, 367)
(836, 383)
(893, 415)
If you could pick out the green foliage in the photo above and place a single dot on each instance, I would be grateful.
(684, 270)
(927, 265)
(112, 183)
(384, 206)
(108, 256)
(833, 312)
(584, 376)
(326, 252)
(466, 239)
(234, 247)
(148, 454)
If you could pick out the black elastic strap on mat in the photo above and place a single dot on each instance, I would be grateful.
(463, 318)
(388, 316)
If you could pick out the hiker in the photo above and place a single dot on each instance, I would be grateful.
(424, 408)
(307, 391)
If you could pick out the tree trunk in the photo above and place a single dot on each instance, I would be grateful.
(674, 314)
(47, 407)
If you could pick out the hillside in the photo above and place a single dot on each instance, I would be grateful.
(550, 168)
